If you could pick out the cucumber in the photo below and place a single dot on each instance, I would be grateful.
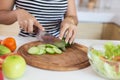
(42, 46)
(50, 50)
(57, 50)
(33, 50)
(41, 51)
(66, 44)
(60, 45)
(50, 45)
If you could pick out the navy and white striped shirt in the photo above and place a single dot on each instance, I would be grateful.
(49, 13)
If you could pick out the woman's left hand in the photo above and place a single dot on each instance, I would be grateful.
(68, 29)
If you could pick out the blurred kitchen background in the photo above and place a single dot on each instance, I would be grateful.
(98, 19)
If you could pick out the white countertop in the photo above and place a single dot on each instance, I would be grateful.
(33, 73)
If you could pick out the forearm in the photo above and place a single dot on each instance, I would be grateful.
(7, 17)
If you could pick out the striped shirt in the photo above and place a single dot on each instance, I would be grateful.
(49, 13)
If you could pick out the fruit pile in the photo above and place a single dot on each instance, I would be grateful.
(7, 46)
(11, 64)
(8, 42)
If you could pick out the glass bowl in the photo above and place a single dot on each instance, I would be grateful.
(107, 68)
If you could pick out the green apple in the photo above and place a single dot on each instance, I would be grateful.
(13, 66)
(4, 50)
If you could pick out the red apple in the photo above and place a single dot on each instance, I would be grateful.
(13, 66)
(2, 58)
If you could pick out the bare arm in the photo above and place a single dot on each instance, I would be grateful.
(69, 24)
(7, 16)
(24, 18)
(71, 11)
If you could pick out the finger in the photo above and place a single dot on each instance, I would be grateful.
(21, 24)
(37, 24)
(69, 34)
(63, 31)
(72, 38)
(30, 26)
(25, 25)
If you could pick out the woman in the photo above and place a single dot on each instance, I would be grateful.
(57, 17)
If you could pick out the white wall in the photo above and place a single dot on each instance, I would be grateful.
(102, 3)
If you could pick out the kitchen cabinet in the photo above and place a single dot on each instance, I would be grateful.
(89, 30)
(106, 31)
(111, 31)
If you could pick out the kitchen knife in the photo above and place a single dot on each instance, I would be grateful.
(50, 39)
(47, 37)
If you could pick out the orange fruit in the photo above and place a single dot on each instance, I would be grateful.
(10, 43)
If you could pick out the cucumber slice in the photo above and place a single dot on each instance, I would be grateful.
(42, 46)
(41, 51)
(50, 45)
(50, 50)
(57, 50)
(33, 50)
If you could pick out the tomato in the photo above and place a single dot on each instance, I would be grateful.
(10, 43)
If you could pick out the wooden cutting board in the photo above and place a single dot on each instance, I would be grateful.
(73, 58)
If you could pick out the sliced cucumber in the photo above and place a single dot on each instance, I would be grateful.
(50, 50)
(42, 46)
(57, 50)
(33, 50)
(50, 46)
(41, 51)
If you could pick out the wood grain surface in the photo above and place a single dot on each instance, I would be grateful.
(73, 58)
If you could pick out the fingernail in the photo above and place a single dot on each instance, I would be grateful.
(60, 38)
(66, 41)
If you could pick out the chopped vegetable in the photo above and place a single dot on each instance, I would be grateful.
(42, 46)
(43, 49)
(50, 46)
(33, 50)
(57, 50)
(50, 50)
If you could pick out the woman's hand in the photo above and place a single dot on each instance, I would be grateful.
(68, 29)
(27, 21)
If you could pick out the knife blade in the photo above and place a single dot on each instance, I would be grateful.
(47, 37)
(50, 39)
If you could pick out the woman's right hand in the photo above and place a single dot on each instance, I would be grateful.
(27, 21)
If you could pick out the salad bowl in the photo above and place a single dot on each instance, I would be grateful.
(105, 59)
